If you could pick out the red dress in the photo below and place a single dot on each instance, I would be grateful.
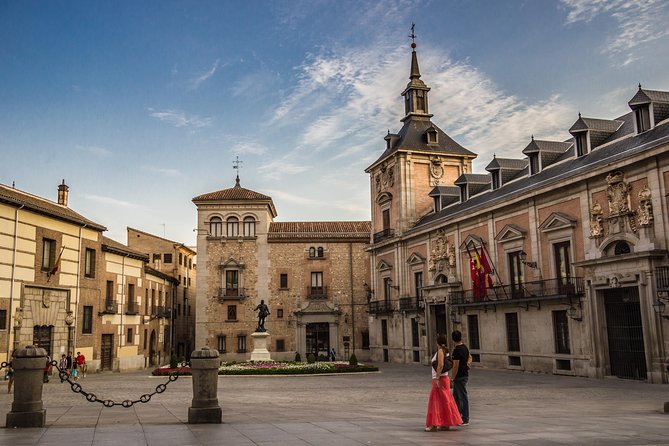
(441, 408)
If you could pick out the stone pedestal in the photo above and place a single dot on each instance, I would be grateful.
(260, 352)
(204, 407)
(27, 409)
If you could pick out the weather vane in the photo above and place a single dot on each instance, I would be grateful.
(413, 35)
(236, 165)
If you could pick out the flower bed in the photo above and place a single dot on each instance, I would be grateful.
(276, 368)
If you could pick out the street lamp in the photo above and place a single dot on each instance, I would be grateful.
(659, 308)
(522, 255)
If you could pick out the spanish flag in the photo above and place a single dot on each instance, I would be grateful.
(56, 266)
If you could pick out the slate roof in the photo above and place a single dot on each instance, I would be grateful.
(319, 230)
(538, 145)
(473, 178)
(115, 247)
(646, 96)
(444, 190)
(569, 166)
(506, 163)
(16, 197)
(601, 125)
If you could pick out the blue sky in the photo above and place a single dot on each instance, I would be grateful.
(140, 106)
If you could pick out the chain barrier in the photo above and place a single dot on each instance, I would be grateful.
(92, 398)
(4, 364)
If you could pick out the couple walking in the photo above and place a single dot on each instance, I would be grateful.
(443, 409)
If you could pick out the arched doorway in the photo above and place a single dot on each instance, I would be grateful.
(152, 349)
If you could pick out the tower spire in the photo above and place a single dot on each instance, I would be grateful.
(236, 165)
(415, 94)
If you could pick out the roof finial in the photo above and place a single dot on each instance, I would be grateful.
(579, 115)
(639, 85)
(237, 166)
(533, 137)
(413, 35)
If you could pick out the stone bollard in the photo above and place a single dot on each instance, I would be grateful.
(205, 408)
(27, 409)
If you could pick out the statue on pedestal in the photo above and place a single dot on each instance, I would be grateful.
(263, 312)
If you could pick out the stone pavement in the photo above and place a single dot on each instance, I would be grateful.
(386, 408)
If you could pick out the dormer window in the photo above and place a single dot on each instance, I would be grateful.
(432, 136)
(581, 139)
(534, 164)
(642, 118)
(463, 193)
(495, 180)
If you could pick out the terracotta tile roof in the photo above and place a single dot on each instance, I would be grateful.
(320, 230)
(129, 230)
(233, 193)
(115, 247)
(46, 207)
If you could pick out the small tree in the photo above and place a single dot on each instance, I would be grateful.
(311, 358)
(298, 358)
(353, 360)
(174, 361)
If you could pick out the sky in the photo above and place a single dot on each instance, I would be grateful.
(141, 106)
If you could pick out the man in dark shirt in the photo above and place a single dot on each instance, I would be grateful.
(460, 375)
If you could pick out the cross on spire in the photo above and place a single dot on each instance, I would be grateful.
(413, 35)
(237, 165)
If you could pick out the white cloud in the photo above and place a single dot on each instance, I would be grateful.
(96, 150)
(162, 171)
(275, 169)
(639, 22)
(248, 148)
(195, 83)
(110, 201)
(178, 118)
(293, 199)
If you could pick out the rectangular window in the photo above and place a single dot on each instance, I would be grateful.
(178, 309)
(279, 313)
(232, 283)
(156, 257)
(562, 263)
(190, 263)
(153, 301)
(146, 301)
(89, 263)
(128, 339)
(181, 258)
(280, 345)
(561, 332)
(581, 143)
(131, 298)
(48, 254)
(3, 319)
(386, 289)
(418, 283)
(146, 332)
(384, 332)
(232, 312)
(241, 344)
(386, 219)
(233, 227)
(415, 339)
(167, 258)
(473, 331)
(188, 311)
(495, 180)
(87, 326)
(512, 334)
(316, 283)
(109, 298)
(283, 281)
(642, 117)
(534, 164)
(516, 274)
(249, 227)
(221, 344)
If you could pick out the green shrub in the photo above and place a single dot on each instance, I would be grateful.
(322, 358)
(311, 358)
(353, 360)
(174, 361)
(298, 358)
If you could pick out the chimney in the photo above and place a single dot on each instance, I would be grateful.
(62, 194)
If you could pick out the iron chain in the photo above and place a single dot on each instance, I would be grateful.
(3, 364)
(92, 398)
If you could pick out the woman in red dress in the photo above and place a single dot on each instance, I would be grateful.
(442, 412)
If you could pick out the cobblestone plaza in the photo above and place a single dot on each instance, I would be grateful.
(386, 408)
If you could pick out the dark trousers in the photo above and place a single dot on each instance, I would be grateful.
(461, 398)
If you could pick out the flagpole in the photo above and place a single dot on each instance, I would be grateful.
(492, 263)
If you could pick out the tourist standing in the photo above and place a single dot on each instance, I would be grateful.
(460, 374)
(81, 364)
(442, 412)
(10, 376)
(62, 365)
(47, 368)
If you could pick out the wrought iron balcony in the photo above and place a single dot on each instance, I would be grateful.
(132, 308)
(662, 281)
(382, 235)
(410, 303)
(110, 307)
(535, 290)
(380, 307)
(231, 294)
(317, 292)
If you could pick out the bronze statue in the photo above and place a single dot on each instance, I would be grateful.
(263, 312)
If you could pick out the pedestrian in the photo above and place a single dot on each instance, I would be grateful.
(442, 412)
(69, 361)
(47, 368)
(10, 376)
(333, 355)
(462, 361)
(81, 364)
(62, 365)
(74, 371)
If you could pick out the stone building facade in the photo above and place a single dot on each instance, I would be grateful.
(555, 262)
(312, 275)
(177, 261)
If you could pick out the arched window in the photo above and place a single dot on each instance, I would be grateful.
(441, 279)
(249, 227)
(312, 252)
(621, 248)
(216, 227)
(320, 251)
(233, 226)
